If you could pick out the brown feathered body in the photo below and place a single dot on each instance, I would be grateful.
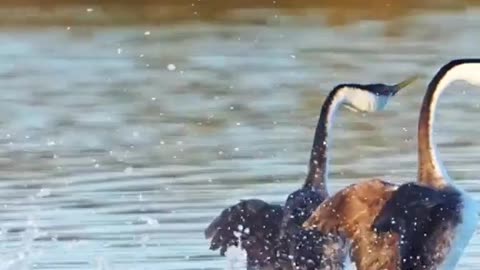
(351, 213)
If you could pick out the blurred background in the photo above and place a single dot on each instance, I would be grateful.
(127, 126)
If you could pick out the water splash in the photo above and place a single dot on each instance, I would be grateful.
(236, 256)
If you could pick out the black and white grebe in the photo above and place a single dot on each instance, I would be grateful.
(271, 234)
(422, 225)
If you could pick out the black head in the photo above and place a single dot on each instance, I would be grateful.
(370, 97)
(381, 89)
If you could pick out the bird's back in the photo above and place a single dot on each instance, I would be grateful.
(350, 213)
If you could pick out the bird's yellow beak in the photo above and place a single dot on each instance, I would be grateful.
(399, 86)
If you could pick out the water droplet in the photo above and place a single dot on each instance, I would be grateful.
(171, 67)
(89, 10)
(44, 192)
(147, 33)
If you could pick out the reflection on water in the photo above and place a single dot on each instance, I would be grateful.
(128, 12)
(119, 144)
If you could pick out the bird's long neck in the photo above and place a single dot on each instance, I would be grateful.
(318, 166)
(430, 169)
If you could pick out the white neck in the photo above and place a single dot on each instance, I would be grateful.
(357, 100)
(337, 102)
(318, 166)
(431, 169)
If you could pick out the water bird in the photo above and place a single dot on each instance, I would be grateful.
(271, 234)
(417, 225)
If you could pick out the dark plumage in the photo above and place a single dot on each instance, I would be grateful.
(420, 215)
(422, 226)
(272, 235)
(257, 224)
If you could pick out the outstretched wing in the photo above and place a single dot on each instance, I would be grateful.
(350, 209)
(350, 213)
(253, 224)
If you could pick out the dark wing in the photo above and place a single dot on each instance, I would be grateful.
(310, 249)
(410, 203)
(422, 216)
(255, 222)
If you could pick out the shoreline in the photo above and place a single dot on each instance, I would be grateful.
(148, 12)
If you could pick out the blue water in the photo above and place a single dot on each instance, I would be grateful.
(120, 144)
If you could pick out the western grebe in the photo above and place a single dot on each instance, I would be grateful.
(423, 225)
(271, 234)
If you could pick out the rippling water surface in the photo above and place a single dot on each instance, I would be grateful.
(120, 144)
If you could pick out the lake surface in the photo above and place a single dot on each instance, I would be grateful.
(119, 144)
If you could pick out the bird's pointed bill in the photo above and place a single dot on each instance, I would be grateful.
(399, 86)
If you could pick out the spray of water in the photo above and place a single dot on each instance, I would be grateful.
(236, 256)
